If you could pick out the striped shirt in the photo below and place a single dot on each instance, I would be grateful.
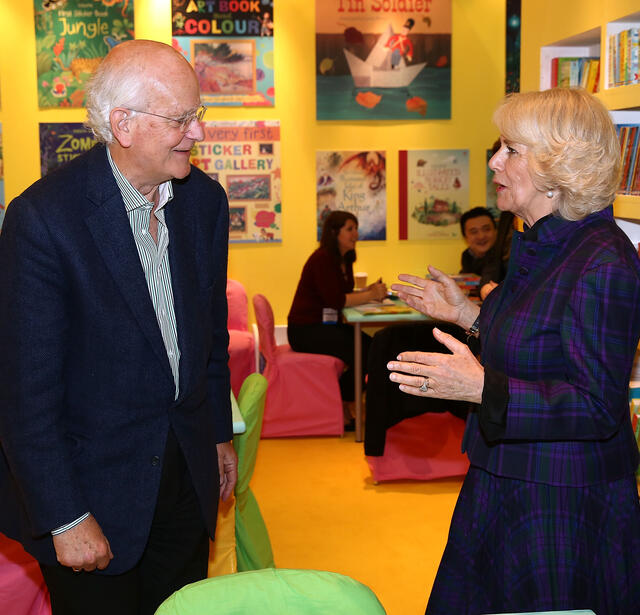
(154, 259)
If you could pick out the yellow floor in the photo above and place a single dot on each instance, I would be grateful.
(323, 511)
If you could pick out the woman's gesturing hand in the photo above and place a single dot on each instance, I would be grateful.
(439, 298)
(458, 376)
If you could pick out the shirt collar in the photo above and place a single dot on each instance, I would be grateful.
(133, 198)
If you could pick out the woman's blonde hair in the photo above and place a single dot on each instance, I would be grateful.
(572, 143)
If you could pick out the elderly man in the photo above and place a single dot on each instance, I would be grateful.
(115, 421)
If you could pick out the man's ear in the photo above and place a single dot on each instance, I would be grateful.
(120, 120)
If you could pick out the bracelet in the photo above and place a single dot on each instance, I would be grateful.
(475, 327)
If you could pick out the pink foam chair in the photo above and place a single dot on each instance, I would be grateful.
(303, 395)
(242, 357)
(423, 447)
(22, 588)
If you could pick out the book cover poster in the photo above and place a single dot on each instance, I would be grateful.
(2, 201)
(434, 192)
(383, 59)
(230, 45)
(244, 156)
(61, 142)
(355, 182)
(72, 37)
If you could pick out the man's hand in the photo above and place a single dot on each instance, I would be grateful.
(228, 467)
(83, 547)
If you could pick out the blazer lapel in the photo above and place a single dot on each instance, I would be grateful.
(109, 226)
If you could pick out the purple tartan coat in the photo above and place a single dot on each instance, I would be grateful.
(563, 327)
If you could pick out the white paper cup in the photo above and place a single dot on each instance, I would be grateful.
(360, 279)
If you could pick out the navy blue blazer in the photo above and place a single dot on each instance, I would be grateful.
(86, 390)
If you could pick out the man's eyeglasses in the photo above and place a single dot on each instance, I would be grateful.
(185, 121)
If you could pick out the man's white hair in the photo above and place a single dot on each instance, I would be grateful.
(112, 85)
(125, 78)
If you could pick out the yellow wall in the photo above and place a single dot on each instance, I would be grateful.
(478, 60)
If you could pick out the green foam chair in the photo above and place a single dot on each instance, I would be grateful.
(274, 591)
(253, 547)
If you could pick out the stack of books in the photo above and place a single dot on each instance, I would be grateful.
(624, 61)
(629, 136)
(575, 72)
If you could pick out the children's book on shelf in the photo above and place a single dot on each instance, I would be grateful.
(593, 79)
(629, 137)
(624, 57)
(574, 72)
(567, 72)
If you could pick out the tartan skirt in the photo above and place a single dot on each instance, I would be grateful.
(518, 546)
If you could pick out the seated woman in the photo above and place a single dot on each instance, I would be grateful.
(325, 287)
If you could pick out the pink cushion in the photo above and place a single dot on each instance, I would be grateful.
(238, 317)
(242, 357)
(22, 588)
(303, 395)
(266, 326)
(421, 448)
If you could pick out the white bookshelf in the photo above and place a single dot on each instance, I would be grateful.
(583, 45)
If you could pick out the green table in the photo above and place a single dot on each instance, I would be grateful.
(356, 318)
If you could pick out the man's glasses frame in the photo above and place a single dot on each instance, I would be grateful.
(184, 121)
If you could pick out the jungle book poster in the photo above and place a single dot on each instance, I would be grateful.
(230, 45)
(244, 156)
(72, 37)
(61, 142)
(434, 192)
(354, 181)
(383, 59)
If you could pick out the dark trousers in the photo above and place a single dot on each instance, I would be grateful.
(176, 553)
(335, 340)
(387, 405)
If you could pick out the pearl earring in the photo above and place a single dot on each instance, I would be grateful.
(549, 194)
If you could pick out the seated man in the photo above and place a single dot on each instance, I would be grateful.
(479, 231)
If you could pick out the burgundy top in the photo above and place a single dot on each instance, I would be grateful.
(322, 285)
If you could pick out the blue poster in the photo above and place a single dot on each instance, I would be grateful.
(378, 60)
(61, 142)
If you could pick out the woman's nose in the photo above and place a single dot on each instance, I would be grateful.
(494, 162)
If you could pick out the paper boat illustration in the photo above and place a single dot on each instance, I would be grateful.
(376, 71)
